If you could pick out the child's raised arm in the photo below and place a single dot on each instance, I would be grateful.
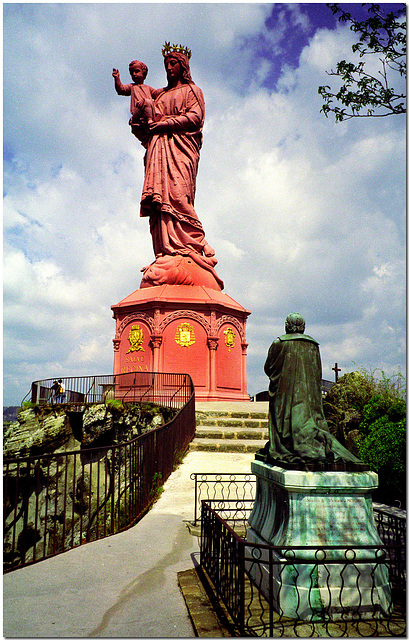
(121, 89)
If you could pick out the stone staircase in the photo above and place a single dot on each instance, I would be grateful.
(240, 427)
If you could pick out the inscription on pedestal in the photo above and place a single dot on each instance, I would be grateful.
(339, 519)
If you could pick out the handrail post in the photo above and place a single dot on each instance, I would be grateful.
(194, 475)
(270, 590)
(241, 572)
(25, 500)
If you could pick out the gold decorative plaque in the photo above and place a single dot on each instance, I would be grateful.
(135, 338)
(185, 335)
(229, 338)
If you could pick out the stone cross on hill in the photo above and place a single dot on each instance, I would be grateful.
(337, 370)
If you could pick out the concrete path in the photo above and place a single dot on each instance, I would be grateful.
(123, 586)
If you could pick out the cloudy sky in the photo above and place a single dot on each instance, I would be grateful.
(304, 214)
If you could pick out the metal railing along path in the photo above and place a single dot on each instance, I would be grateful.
(170, 389)
(222, 486)
(299, 591)
(390, 521)
(55, 502)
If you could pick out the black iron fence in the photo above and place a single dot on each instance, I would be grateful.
(299, 591)
(170, 389)
(55, 502)
(222, 486)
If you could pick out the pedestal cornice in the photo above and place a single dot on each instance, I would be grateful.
(181, 295)
(317, 481)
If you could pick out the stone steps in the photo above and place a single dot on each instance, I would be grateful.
(233, 446)
(234, 423)
(228, 429)
(232, 433)
(231, 415)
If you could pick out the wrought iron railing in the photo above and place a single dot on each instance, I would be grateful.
(222, 486)
(170, 389)
(391, 525)
(298, 591)
(390, 521)
(55, 502)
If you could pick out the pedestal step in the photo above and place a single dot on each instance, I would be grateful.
(228, 421)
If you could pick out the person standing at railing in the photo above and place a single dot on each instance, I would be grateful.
(60, 397)
(55, 390)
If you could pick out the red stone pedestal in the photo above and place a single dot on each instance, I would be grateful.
(184, 329)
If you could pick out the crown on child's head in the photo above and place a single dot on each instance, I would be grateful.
(167, 48)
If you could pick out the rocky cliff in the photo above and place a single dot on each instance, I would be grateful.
(67, 492)
(55, 428)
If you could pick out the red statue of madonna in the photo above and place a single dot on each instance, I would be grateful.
(195, 329)
(171, 131)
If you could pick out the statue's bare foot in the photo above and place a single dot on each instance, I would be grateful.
(208, 251)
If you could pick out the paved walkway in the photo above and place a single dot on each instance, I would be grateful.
(123, 586)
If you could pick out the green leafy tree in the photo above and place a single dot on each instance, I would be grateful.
(367, 413)
(362, 94)
(344, 404)
(382, 444)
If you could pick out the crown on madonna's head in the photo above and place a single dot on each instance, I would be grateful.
(167, 48)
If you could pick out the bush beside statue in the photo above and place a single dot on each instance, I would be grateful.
(367, 413)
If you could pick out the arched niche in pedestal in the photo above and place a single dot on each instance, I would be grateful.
(185, 349)
(229, 360)
(135, 350)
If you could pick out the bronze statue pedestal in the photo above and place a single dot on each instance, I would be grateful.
(303, 512)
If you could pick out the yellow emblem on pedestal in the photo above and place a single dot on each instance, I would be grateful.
(185, 335)
(229, 338)
(135, 338)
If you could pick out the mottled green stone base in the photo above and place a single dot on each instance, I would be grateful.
(315, 509)
(319, 592)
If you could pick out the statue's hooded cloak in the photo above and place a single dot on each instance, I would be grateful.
(297, 425)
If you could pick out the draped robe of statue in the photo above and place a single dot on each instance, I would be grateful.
(171, 166)
(298, 430)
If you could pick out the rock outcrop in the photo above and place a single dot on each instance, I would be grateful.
(37, 430)
(47, 429)
(61, 492)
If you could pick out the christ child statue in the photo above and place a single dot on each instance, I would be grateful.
(141, 98)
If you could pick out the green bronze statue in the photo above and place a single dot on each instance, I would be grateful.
(299, 434)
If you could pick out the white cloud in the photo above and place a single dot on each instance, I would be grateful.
(304, 215)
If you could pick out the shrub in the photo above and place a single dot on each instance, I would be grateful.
(367, 413)
(383, 447)
(114, 404)
(381, 406)
(344, 403)
(29, 405)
